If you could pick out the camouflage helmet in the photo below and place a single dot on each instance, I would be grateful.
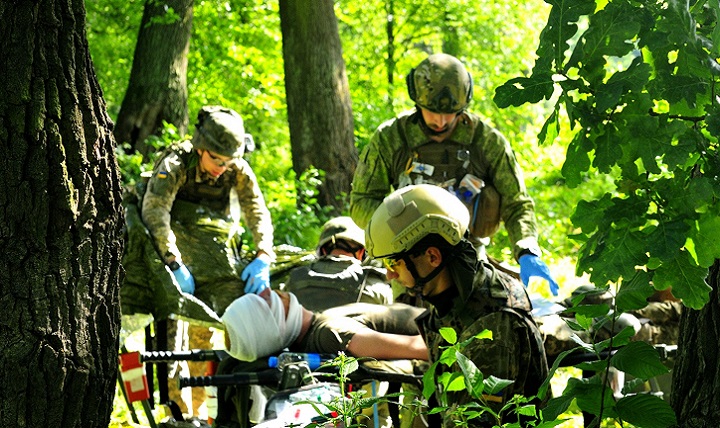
(441, 84)
(411, 213)
(341, 228)
(220, 130)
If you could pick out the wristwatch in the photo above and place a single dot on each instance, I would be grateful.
(174, 265)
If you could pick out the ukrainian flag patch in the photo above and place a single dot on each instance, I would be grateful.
(162, 174)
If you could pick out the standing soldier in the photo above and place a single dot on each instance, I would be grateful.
(440, 142)
(420, 233)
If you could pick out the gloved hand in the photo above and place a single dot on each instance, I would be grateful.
(531, 265)
(184, 279)
(256, 275)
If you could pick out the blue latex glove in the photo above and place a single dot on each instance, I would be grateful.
(184, 279)
(256, 275)
(531, 265)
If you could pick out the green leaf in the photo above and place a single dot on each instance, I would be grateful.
(485, 334)
(556, 406)
(639, 359)
(687, 279)
(452, 382)
(577, 160)
(684, 150)
(591, 311)
(590, 394)
(707, 245)
(521, 90)
(666, 240)
(449, 334)
(646, 410)
(588, 215)
(561, 27)
(528, 410)
(429, 386)
(633, 79)
(494, 385)
(633, 293)
(623, 250)
(473, 376)
(550, 129)
(610, 33)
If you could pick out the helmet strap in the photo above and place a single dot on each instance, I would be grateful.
(419, 281)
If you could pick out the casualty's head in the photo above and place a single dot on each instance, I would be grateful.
(260, 325)
(341, 233)
(220, 138)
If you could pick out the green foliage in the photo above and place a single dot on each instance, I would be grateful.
(133, 165)
(638, 88)
(301, 215)
(349, 408)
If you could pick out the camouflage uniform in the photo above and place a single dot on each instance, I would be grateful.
(497, 302)
(397, 143)
(338, 280)
(177, 176)
(331, 331)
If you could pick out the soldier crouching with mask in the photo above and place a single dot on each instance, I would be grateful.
(419, 231)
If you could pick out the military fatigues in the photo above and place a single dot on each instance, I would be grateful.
(331, 331)
(497, 302)
(176, 193)
(338, 280)
(399, 153)
(177, 176)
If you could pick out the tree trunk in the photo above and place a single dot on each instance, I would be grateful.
(157, 90)
(696, 377)
(318, 96)
(60, 220)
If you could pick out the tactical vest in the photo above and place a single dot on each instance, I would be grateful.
(445, 164)
(215, 196)
(318, 290)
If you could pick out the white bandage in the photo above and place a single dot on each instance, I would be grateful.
(256, 329)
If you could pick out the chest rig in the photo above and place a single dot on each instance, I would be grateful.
(447, 164)
(442, 164)
(215, 196)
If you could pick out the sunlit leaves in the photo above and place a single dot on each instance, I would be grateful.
(639, 359)
(646, 410)
(521, 90)
(561, 27)
(631, 80)
(686, 278)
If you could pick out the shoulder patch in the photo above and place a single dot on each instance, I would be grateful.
(162, 174)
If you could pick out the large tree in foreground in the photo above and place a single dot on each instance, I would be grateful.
(60, 219)
(638, 81)
(318, 96)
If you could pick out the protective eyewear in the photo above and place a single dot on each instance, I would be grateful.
(219, 161)
(390, 263)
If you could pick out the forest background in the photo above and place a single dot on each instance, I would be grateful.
(235, 59)
(611, 106)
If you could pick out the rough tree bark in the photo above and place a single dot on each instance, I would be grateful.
(60, 219)
(318, 96)
(696, 376)
(157, 90)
